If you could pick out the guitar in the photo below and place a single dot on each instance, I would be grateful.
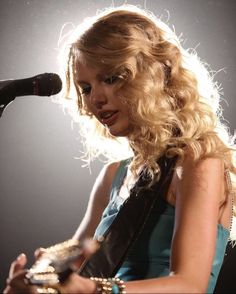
(53, 266)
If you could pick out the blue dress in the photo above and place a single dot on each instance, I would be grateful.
(149, 257)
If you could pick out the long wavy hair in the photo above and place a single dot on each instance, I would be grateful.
(172, 99)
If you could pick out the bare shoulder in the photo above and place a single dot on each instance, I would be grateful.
(206, 166)
(109, 170)
(102, 186)
(205, 174)
(204, 182)
(107, 174)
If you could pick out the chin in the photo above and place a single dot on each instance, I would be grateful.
(119, 132)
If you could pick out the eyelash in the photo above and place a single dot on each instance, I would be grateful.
(85, 90)
(110, 80)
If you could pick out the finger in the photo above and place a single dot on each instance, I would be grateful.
(14, 284)
(19, 275)
(19, 284)
(90, 246)
(18, 287)
(8, 290)
(39, 252)
(17, 265)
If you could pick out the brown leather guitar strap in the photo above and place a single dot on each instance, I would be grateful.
(128, 224)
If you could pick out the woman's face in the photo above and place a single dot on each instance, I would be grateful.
(98, 92)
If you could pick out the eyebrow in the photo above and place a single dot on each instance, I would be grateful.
(99, 76)
(82, 82)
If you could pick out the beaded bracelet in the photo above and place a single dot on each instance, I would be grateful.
(109, 286)
(118, 286)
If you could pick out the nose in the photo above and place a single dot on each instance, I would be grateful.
(98, 97)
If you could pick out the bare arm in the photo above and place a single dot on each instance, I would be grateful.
(98, 200)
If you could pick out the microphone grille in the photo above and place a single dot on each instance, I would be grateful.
(47, 84)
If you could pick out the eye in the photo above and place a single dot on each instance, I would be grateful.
(112, 79)
(85, 90)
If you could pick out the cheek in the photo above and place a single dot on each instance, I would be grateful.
(87, 105)
(125, 108)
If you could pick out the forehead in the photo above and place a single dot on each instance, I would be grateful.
(85, 71)
(82, 68)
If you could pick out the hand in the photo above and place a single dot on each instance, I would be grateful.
(75, 283)
(16, 282)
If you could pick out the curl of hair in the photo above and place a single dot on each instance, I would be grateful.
(172, 99)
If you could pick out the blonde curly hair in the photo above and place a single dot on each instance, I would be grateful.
(172, 100)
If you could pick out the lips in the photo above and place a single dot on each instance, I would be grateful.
(108, 117)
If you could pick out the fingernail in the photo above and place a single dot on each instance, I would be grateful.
(91, 245)
(19, 257)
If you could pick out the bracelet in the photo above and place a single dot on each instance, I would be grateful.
(109, 286)
(118, 286)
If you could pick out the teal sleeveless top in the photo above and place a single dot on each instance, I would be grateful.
(149, 256)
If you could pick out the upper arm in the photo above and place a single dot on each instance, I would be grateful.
(198, 194)
(98, 200)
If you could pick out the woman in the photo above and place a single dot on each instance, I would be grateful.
(135, 86)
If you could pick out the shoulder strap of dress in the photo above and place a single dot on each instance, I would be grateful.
(119, 176)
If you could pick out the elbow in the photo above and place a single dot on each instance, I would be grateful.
(197, 285)
(194, 287)
(197, 289)
(188, 284)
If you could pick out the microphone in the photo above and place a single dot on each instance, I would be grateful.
(45, 84)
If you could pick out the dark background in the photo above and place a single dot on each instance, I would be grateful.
(44, 189)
